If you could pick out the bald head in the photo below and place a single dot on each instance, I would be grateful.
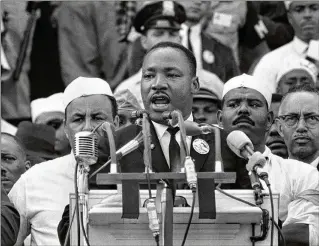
(6, 137)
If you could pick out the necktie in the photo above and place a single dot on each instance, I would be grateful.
(174, 150)
(189, 39)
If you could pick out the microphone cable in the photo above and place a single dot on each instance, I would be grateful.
(77, 202)
(265, 178)
(253, 205)
(190, 217)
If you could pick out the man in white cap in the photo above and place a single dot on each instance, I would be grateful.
(301, 136)
(206, 101)
(50, 111)
(245, 107)
(304, 18)
(42, 193)
(296, 73)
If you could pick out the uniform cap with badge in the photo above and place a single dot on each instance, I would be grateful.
(248, 81)
(83, 86)
(300, 64)
(159, 15)
(211, 87)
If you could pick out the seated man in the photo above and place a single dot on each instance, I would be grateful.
(298, 124)
(245, 107)
(295, 73)
(41, 194)
(274, 141)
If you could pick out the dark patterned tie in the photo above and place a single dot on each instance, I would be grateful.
(174, 150)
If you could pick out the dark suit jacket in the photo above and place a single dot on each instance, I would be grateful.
(224, 65)
(10, 221)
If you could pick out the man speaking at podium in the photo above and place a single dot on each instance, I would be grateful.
(245, 107)
(168, 83)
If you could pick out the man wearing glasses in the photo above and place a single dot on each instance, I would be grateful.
(298, 124)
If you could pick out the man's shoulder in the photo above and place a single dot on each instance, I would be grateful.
(277, 53)
(211, 42)
(294, 166)
(48, 167)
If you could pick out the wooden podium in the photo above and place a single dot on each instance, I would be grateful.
(235, 222)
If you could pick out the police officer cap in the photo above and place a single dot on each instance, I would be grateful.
(159, 15)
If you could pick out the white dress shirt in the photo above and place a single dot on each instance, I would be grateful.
(164, 138)
(40, 196)
(293, 179)
(196, 42)
(269, 66)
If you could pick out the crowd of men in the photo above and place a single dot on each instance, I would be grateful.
(166, 56)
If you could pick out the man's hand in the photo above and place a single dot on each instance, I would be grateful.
(296, 234)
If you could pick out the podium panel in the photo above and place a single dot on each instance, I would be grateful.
(233, 224)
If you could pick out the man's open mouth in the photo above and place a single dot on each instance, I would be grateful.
(160, 101)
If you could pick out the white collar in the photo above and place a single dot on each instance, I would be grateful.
(299, 45)
(161, 129)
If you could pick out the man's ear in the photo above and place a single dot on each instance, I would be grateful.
(270, 120)
(116, 121)
(195, 85)
(27, 165)
(279, 127)
(220, 118)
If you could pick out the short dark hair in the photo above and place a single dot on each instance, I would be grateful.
(275, 98)
(17, 141)
(310, 88)
(189, 55)
(114, 107)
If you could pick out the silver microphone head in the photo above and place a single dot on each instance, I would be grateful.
(86, 147)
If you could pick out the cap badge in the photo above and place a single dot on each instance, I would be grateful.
(208, 56)
(201, 146)
(168, 8)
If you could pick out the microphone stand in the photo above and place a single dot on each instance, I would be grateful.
(106, 126)
(219, 167)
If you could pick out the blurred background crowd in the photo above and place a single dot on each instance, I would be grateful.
(46, 45)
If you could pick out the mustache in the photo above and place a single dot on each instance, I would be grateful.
(246, 118)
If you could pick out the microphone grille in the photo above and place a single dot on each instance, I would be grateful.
(85, 147)
(237, 140)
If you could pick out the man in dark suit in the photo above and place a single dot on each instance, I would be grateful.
(210, 54)
(168, 83)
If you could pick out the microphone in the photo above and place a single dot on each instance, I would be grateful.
(123, 151)
(85, 148)
(135, 114)
(193, 129)
(189, 165)
(241, 145)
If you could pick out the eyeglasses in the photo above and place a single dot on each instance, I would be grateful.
(291, 120)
